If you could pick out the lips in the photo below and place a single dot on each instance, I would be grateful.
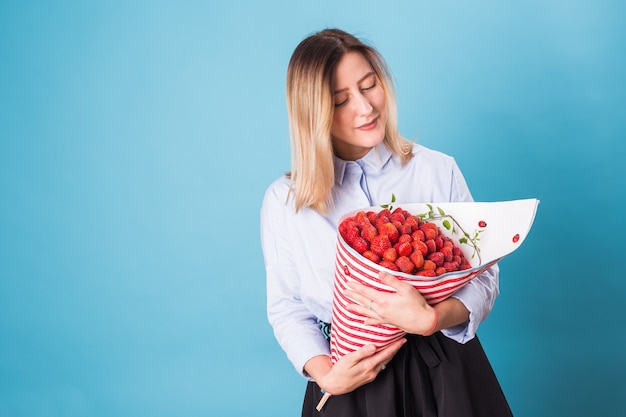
(369, 125)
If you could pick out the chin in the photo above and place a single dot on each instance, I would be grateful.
(374, 140)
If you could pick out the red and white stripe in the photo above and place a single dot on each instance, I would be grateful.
(348, 333)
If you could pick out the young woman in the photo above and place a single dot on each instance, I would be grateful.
(347, 154)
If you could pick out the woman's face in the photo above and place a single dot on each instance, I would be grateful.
(360, 109)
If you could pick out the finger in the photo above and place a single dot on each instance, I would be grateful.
(381, 359)
(360, 354)
(368, 313)
(386, 354)
(358, 298)
(364, 291)
(373, 320)
(390, 280)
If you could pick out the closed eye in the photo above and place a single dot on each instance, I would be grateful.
(370, 87)
(342, 102)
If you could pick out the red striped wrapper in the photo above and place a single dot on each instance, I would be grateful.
(348, 333)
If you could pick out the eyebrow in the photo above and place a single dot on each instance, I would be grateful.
(359, 81)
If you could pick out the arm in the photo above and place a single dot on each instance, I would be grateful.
(405, 308)
(479, 295)
(352, 370)
(295, 327)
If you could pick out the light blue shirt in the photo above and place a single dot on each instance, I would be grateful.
(299, 248)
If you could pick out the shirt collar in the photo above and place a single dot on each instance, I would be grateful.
(374, 161)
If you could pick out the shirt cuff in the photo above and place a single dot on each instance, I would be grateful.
(316, 347)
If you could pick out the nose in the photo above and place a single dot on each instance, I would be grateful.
(363, 105)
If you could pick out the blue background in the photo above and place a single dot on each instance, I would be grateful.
(137, 139)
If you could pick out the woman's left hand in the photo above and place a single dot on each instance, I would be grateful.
(405, 308)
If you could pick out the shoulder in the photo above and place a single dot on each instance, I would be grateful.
(423, 154)
(429, 160)
(277, 195)
(438, 174)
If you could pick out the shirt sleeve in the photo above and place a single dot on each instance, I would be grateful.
(480, 293)
(479, 296)
(296, 329)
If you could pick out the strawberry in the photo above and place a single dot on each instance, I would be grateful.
(390, 255)
(390, 230)
(379, 222)
(404, 249)
(385, 213)
(361, 219)
(440, 270)
(428, 264)
(447, 253)
(436, 257)
(413, 221)
(368, 254)
(397, 216)
(389, 265)
(344, 226)
(360, 245)
(451, 266)
(417, 258)
(405, 265)
(353, 233)
(430, 230)
(405, 238)
(406, 229)
(465, 265)
(426, 273)
(418, 235)
(379, 244)
(431, 245)
(420, 246)
(368, 232)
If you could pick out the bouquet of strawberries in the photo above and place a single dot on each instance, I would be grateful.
(437, 248)
(401, 241)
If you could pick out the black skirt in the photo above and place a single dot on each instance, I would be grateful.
(432, 376)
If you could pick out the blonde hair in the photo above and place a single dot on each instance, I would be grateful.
(310, 109)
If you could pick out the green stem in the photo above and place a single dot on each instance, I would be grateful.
(473, 244)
